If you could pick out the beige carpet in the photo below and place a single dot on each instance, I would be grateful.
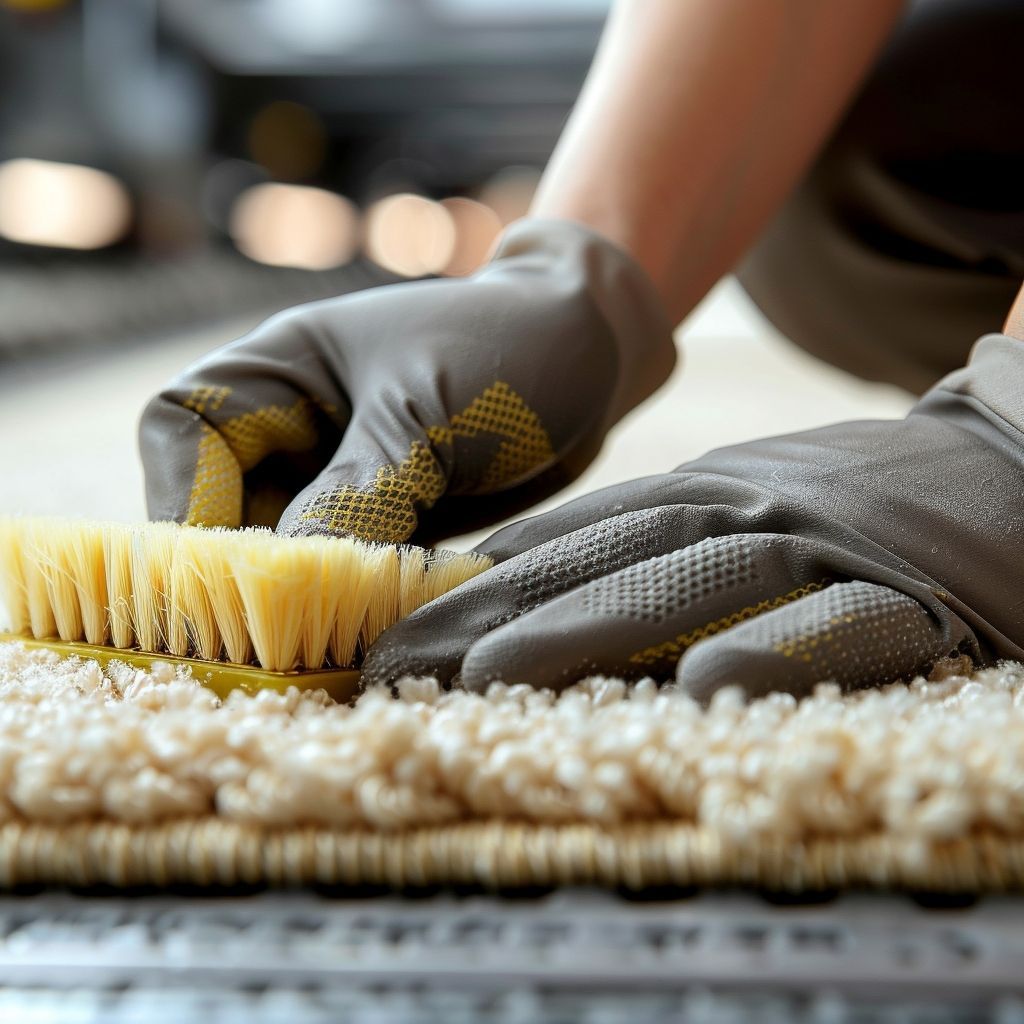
(129, 778)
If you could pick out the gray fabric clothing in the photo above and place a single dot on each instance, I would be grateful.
(905, 242)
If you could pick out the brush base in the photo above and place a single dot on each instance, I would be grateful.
(221, 677)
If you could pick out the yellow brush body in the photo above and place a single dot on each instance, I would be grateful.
(242, 609)
(221, 677)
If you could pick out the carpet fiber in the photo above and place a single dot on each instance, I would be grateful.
(126, 778)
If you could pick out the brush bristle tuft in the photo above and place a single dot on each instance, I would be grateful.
(244, 596)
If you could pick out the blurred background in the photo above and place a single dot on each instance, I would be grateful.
(169, 160)
(172, 171)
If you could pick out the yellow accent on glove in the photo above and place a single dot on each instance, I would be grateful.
(235, 447)
(674, 649)
(387, 510)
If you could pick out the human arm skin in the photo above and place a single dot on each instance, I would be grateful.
(696, 120)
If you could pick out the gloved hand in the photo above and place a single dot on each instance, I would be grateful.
(858, 553)
(363, 412)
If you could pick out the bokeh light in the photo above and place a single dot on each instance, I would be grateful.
(62, 205)
(410, 235)
(476, 228)
(295, 226)
(34, 5)
(289, 140)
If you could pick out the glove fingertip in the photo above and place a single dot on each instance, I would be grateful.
(718, 662)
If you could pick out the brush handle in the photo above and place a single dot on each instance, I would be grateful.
(221, 677)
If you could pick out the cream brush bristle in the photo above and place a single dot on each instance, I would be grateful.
(245, 599)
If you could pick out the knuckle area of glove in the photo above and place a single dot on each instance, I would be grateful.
(551, 569)
(494, 440)
(621, 575)
(166, 412)
(666, 653)
(703, 573)
(385, 509)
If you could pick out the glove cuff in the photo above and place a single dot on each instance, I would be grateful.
(596, 271)
(992, 380)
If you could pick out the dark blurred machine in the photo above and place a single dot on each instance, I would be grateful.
(186, 106)
(435, 96)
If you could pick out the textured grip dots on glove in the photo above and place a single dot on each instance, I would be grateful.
(514, 444)
(853, 634)
(274, 428)
(216, 496)
(235, 446)
(855, 631)
(386, 510)
(560, 565)
(657, 605)
(660, 589)
(207, 398)
(524, 447)
(516, 586)
(658, 656)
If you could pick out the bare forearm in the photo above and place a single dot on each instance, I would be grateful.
(698, 117)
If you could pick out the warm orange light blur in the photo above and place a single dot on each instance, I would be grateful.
(288, 139)
(34, 5)
(410, 235)
(61, 205)
(476, 228)
(295, 226)
(510, 192)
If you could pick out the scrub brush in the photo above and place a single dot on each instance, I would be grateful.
(242, 608)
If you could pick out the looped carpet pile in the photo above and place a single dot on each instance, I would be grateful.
(125, 777)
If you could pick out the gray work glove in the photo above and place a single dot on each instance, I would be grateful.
(357, 415)
(859, 553)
